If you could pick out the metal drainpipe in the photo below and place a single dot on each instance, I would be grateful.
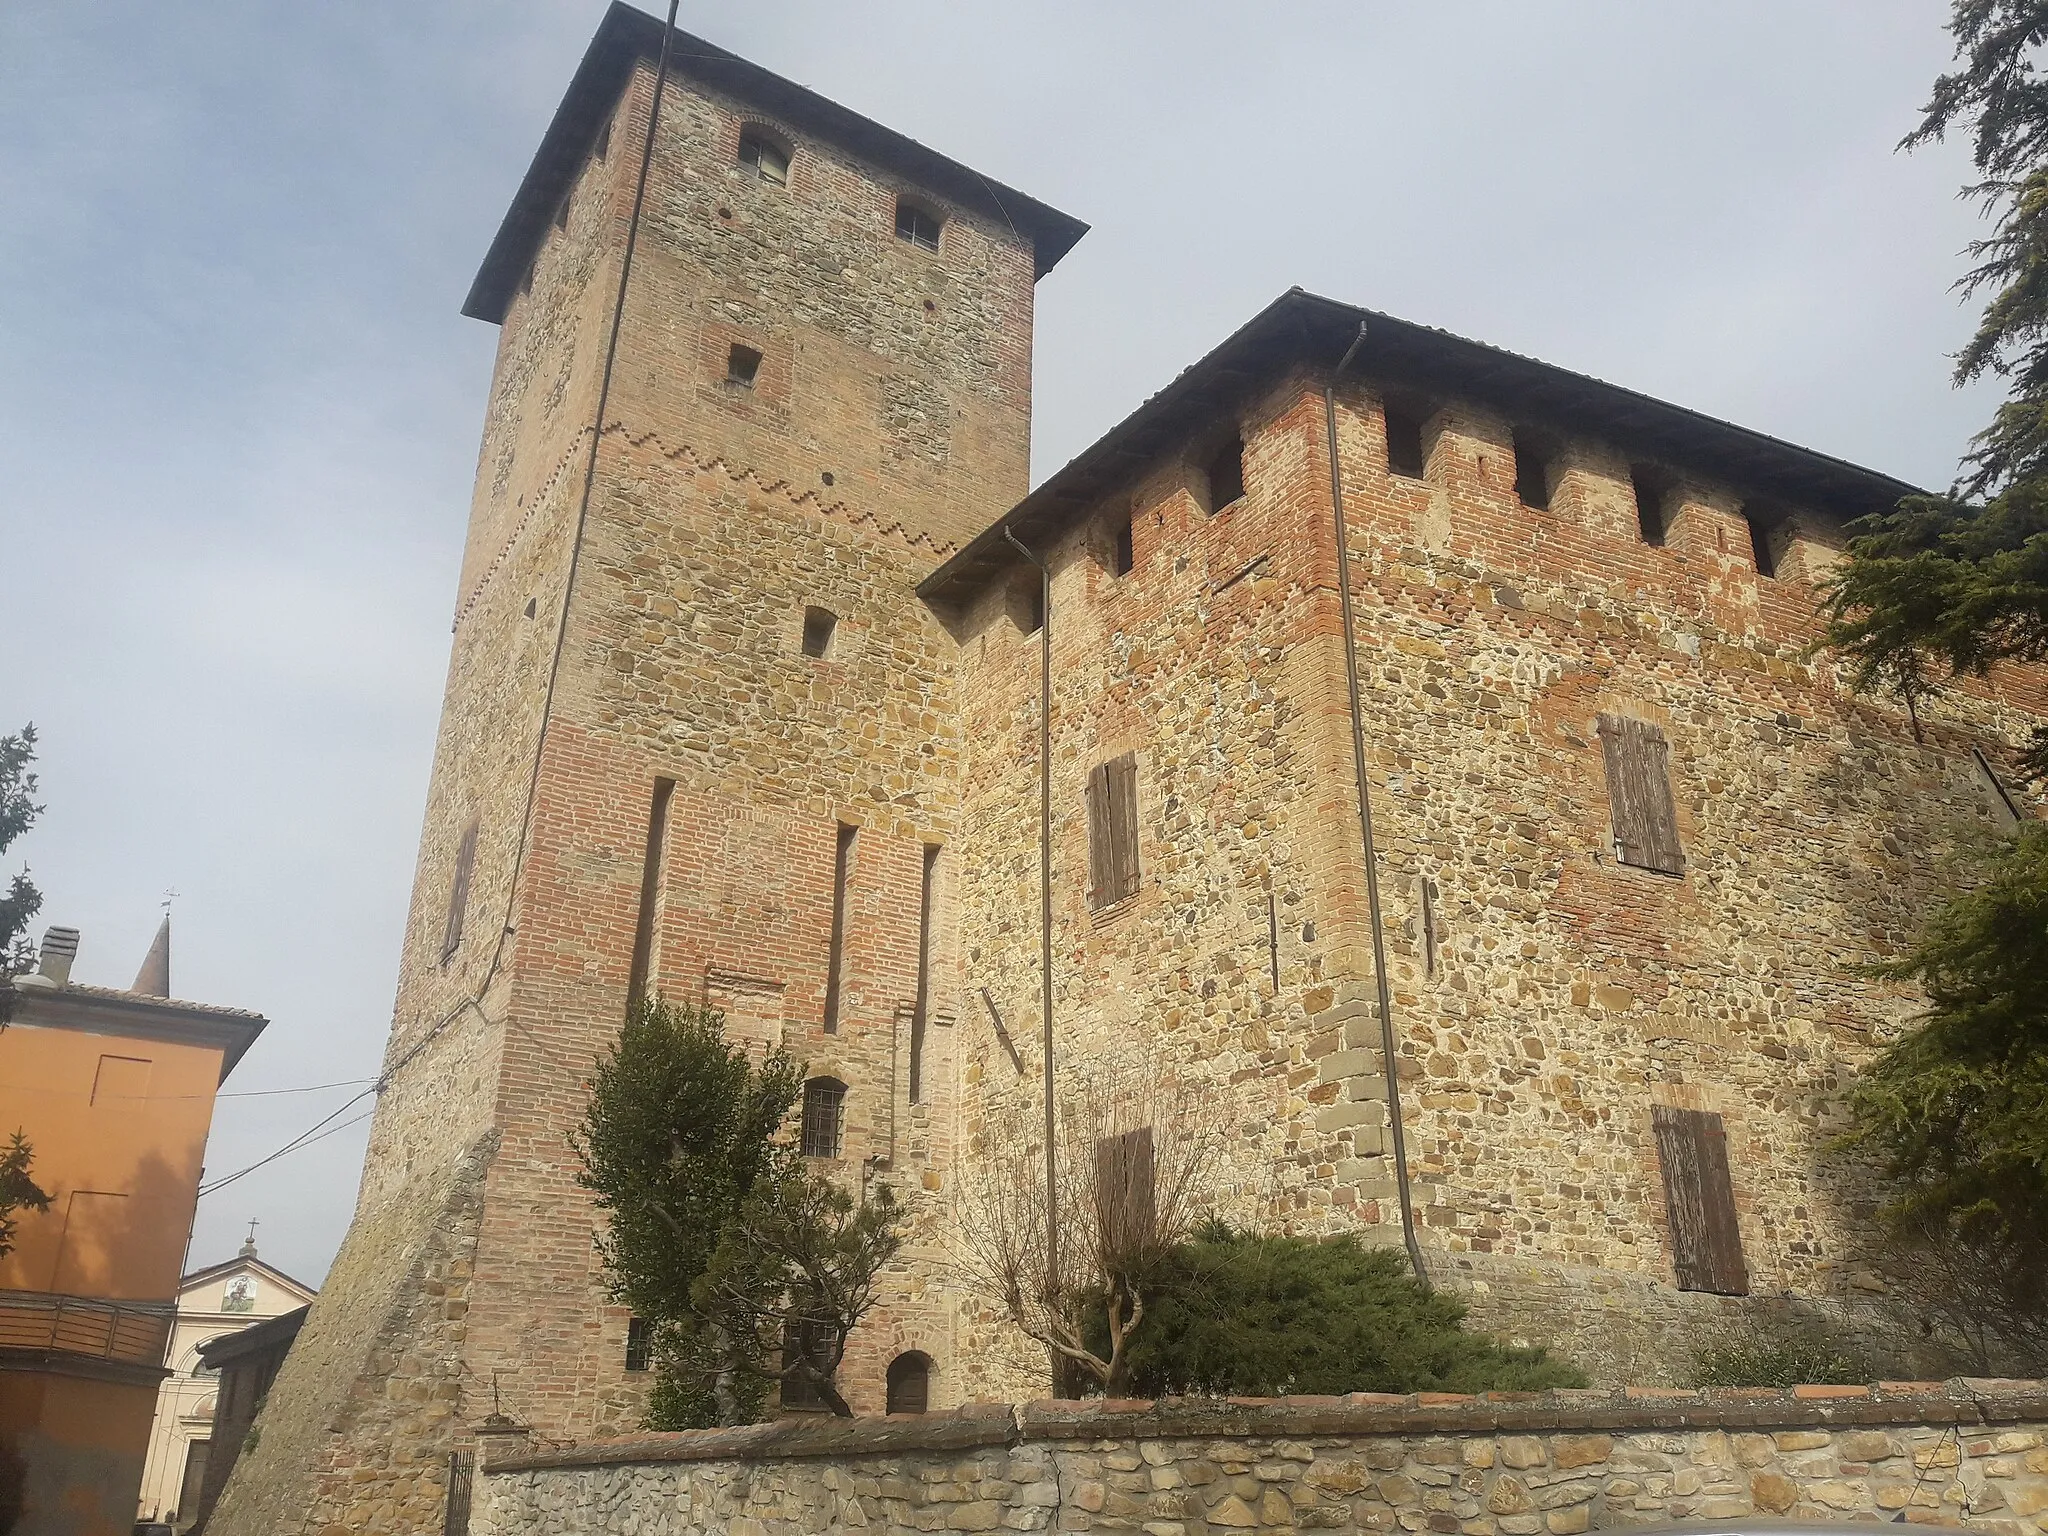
(1052, 1203)
(1372, 877)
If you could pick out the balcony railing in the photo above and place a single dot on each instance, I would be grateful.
(134, 1332)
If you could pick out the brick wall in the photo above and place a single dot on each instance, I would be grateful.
(1549, 1464)
(890, 415)
(1566, 994)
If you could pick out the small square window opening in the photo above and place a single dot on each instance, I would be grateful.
(1532, 475)
(1226, 475)
(819, 627)
(764, 157)
(741, 366)
(1404, 442)
(916, 225)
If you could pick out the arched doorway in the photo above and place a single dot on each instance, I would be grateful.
(910, 1382)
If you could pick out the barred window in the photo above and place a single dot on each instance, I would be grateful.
(824, 1116)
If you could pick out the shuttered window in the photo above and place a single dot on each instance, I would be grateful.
(1113, 831)
(1699, 1201)
(458, 894)
(1126, 1194)
(1639, 790)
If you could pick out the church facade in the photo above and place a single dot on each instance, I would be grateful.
(744, 706)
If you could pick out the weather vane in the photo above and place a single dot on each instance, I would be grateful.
(170, 895)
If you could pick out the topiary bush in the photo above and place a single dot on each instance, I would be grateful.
(1233, 1314)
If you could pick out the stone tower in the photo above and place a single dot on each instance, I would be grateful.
(697, 735)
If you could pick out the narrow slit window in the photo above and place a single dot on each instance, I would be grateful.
(764, 157)
(1404, 442)
(647, 927)
(835, 956)
(820, 625)
(604, 142)
(1645, 817)
(562, 213)
(741, 366)
(921, 1010)
(1113, 831)
(639, 1345)
(1699, 1201)
(1226, 475)
(1760, 530)
(458, 893)
(917, 225)
(1121, 559)
(1532, 474)
(1650, 491)
(824, 1117)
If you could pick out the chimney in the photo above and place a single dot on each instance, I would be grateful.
(60, 948)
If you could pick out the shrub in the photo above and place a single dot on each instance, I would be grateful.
(1233, 1314)
(1784, 1352)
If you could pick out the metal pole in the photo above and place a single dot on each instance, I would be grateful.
(1372, 874)
(1052, 1198)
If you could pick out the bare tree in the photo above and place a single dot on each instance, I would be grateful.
(1138, 1148)
(1976, 1286)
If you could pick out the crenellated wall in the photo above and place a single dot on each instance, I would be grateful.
(1550, 997)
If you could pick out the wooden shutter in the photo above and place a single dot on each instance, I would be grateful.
(458, 893)
(1123, 822)
(1639, 790)
(1113, 830)
(1126, 1193)
(1699, 1201)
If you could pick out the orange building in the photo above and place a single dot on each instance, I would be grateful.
(114, 1091)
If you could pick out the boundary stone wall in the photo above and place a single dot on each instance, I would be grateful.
(1962, 1453)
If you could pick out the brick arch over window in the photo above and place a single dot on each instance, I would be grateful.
(765, 153)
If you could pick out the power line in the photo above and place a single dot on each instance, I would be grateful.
(264, 1093)
(305, 1138)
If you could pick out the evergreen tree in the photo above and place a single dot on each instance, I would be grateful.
(680, 1125)
(17, 1190)
(1230, 1314)
(1951, 584)
(21, 900)
(749, 1268)
(1947, 586)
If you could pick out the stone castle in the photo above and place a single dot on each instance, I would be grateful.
(743, 706)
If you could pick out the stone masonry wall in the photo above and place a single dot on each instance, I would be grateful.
(890, 414)
(1553, 1464)
(1549, 997)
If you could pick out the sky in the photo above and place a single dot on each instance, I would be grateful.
(239, 411)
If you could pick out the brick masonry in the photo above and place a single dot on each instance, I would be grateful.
(1546, 1003)
(1550, 1464)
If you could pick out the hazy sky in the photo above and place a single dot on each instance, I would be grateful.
(239, 411)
